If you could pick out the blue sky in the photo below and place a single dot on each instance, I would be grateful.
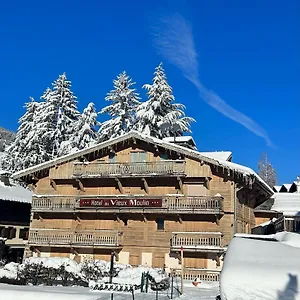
(247, 54)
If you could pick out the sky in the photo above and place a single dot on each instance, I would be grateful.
(233, 64)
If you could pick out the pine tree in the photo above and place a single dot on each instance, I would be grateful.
(266, 170)
(27, 149)
(160, 116)
(58, 117)
(86, 133)
(124, 101)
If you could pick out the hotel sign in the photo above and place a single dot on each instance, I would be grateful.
(106, 202)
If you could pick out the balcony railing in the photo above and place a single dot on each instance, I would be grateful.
(195, 203)
(203, 274)
(53, 203)
(103, 169)
(168, 204)
(197, 241)
(82, 238)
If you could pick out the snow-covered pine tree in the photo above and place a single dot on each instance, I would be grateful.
(124, 101)
(266, 170)
(27, 149)
(159, 116)
(58, 117)
(86, 132)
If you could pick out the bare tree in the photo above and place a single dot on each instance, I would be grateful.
(266, 170)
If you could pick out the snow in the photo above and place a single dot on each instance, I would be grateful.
(127, 275)
(204, 291)
(262, 267)
(277, 188)
(124, 101)
(9, 270)
(15, 192)
(287, 203)
(223, 155)
(159, 116)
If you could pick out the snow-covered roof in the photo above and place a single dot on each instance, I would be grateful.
(246, 172)
(262, 267)
(223, 155)
(181, 139)
(287, 203)
(15, 192)
(276, 188)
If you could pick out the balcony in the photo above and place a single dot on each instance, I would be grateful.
(197, 241)
(195, 204)
(138, 169)
(53, 203)
(130, 204)
(203, 274)
(106, 239)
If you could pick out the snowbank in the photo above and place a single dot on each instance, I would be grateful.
(9, 271)
(262, 267)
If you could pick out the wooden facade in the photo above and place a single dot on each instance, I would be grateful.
(143, 200)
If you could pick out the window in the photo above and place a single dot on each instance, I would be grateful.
(164, 156)
(139, 156)
(160, 223)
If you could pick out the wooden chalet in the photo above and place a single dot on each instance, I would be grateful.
(144, 199)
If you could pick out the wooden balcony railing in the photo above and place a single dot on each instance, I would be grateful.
(53, 203)
(82, 238)
(203, 274)
(103, 169)
(169, 204)
(195, 203)
(197, 241)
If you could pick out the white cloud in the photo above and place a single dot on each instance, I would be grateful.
(173, 39)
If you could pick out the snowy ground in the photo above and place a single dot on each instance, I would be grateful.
(206, 291)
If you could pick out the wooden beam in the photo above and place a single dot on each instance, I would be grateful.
(40, 218)
(80, 184)
(144, 218)
(207, 182)
(180, 219)
(134, 140)
(217, 220)
(74, 251)
(180, 184)
(53, 184)
(117, 218)
(120, 187)
(77, 217)
(146, 186)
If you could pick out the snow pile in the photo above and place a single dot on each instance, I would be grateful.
(133, 275)
(55, 263)
(9, 271)
(262, 267)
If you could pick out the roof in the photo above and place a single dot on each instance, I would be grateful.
(267, 205)
(223, 155)
(276, 188)
(287, 203)
(242, 170)
(262, 267)
(15, 193)
(180, 139)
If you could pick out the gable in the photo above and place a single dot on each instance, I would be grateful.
(235, 172)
